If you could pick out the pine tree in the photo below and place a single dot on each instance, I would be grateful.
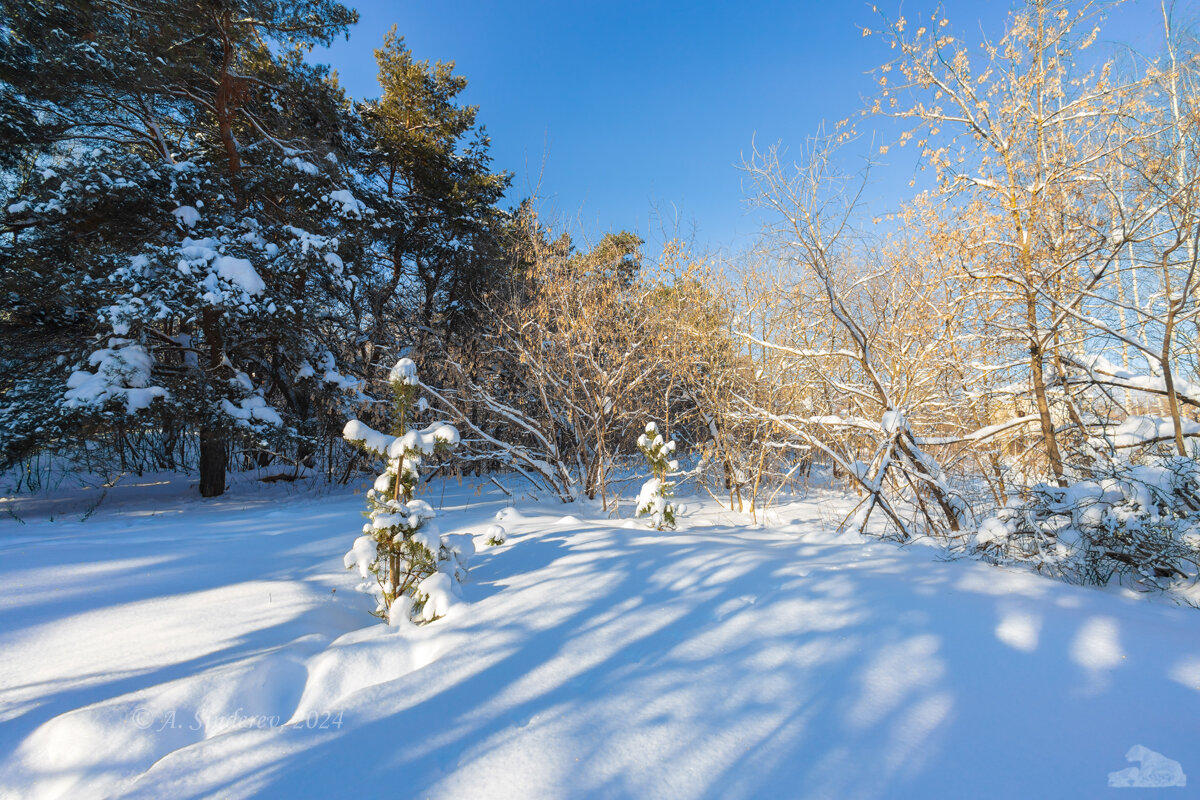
(204, 239)
(654, 500)
(413, 566)
(186, 227)
(428, 166)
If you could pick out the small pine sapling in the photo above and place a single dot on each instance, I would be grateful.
(414, 567)
(495, 535)
(653, 500)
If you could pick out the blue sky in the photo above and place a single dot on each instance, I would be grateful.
(635, 115)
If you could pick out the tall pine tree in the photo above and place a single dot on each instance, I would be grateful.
(179, 223)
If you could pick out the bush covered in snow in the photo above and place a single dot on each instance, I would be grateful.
(415, 568)
(1137, 524)
(654, 500)
(496, 535)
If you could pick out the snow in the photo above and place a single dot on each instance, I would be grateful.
(252, 410)
(993, 529)
(1099, 365)
(188, 216)
(334, 378)
(427, 536)
(204, 253)
(358, 431)
(423, 440)
(404, 372)
(893, 422)
(1019, 630)
(347, 203)
(198, 251)
(340, 381)
(311, 241)
(123, 372)
(650, 498)
(174, 647)
(439, 589)
(495, 535)
(1145, 428)
(361, 556)
(300, 165)
(240, 272)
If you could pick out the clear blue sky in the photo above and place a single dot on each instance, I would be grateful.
(645, 108)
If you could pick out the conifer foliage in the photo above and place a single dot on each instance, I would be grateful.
(183, 204)
(654, 500)
(205, 244)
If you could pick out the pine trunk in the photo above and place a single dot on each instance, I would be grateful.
(212, 462)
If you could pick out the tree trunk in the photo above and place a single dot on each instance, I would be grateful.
(1043, 409)
(212, 462)
(1168, 372)
(228, 99)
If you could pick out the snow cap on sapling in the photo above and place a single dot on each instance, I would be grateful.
(404, 373)
(495, 535)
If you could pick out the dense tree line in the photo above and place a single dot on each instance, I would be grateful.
(207, 247)
(211, 254)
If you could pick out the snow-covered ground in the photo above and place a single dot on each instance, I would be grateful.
(170, 647)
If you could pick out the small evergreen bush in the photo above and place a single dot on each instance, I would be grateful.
(415, 568)
(654, 500)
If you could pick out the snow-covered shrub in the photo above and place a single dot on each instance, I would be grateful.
(495, 535)
(654, 500)
(1136, 524)
(400, 546)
